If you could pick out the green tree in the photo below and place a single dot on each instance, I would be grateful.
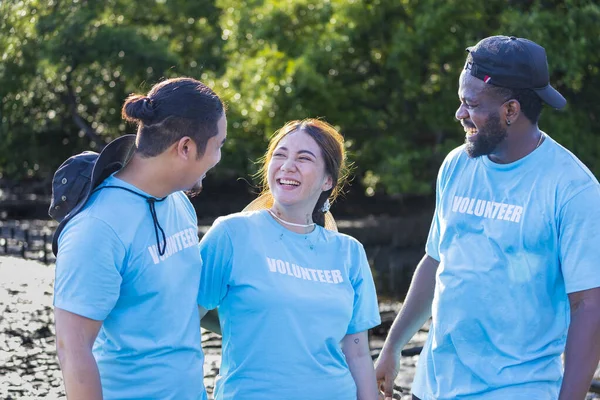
(67, 66)
(386, 72)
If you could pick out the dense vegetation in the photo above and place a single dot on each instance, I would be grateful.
(384, 71)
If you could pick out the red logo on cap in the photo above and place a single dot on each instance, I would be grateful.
(487, 79)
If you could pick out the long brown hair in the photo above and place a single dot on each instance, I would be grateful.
(331, 143)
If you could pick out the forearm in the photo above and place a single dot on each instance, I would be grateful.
(75, 337)
(582, 352)
(355, 347)
(362, 371)
(80, 374)
(416, 308)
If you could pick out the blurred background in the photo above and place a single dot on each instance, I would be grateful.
(385, 72)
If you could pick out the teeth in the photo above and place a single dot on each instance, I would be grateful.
(288, 182)
(471, 131)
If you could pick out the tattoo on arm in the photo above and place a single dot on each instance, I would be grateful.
(356, 340)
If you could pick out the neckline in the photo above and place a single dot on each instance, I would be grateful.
(311, 225)
(534, 154)
(121, 182)
(282, 229)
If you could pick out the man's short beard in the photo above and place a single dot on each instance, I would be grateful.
(489, 136)
(194, 191)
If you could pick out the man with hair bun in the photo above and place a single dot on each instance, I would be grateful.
(128, 266)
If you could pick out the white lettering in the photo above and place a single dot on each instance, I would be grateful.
(272, 264)
(281, 266)
(471, 203)
(463, 205)
(480, 207)
(502, 210)
(456, 203)
(184, 240)
(496, 208)
(192, 237)
(287, 268)
(321, 276)
(177, 237)
(508, 212)
(305, 274)
(516, 217)
(296, 271)
(173, 244)
(488, 209)
(153, 254)
(337, 276)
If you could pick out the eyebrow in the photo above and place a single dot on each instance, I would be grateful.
(300, 152)
(467, 99)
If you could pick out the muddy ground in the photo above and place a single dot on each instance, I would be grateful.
(28, 363)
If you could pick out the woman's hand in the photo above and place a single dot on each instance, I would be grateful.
(387, 368)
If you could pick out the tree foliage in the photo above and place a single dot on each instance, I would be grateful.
(68, 65)
(384, 71)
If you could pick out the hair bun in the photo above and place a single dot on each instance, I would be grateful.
(138, 108)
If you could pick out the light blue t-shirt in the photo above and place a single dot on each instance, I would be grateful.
(285, 300)
(512, 240)
(108, 269)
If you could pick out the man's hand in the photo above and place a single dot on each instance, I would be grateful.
(387, 368)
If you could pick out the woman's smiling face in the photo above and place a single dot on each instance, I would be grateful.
(296, 171)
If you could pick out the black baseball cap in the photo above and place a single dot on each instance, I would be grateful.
(515, 63)
(76, 178)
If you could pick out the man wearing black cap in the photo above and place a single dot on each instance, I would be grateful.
(510, 275)
(127, 259)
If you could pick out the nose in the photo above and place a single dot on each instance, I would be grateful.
(288, 165)
(461, 113)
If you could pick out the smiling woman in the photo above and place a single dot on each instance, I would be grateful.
(302, 292)
(304, 169)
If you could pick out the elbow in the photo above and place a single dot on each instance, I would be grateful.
(61, 352)
(356, 354)
(70, 352)
(588, 307)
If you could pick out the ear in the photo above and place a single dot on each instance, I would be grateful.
(512, 111)
(185, 147)
(327, 184)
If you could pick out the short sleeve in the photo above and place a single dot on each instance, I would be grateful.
(579, 250)
(216, 251)
(433, 239)
(365, 312)
(88, 268)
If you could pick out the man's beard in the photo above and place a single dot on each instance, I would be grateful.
(194, 190)
(489, 136)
